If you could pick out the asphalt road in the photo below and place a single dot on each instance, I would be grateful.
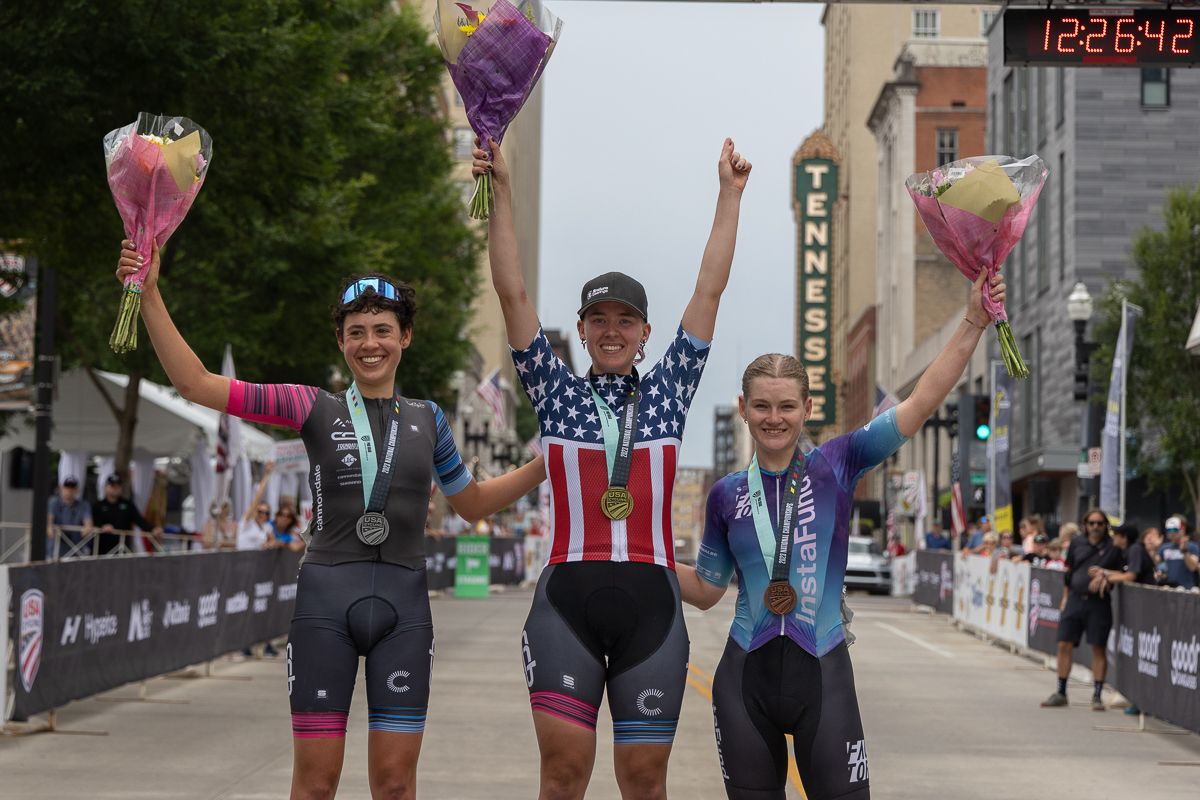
(946, 715)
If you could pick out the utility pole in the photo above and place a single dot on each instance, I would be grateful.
(43, 400)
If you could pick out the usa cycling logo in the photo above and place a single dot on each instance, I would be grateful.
(32, 609)
(392, 681)
(1184, 657)
(649, 710)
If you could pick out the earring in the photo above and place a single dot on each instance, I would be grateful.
(583, 341)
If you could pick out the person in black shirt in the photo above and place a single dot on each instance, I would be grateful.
(1084, 607)
(117, 513)
(1139, 567)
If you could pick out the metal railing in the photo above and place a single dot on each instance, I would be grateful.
(15, 549)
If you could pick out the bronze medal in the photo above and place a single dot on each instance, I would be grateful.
(780, 597)
(616, 502)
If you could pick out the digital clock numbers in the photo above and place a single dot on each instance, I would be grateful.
(1101, 38)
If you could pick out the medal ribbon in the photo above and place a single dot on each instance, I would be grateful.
(776, 544)
(376, 478)
(618, 444)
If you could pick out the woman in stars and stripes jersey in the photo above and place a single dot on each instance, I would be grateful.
(786, 669)
(606, 613)
(362, 589)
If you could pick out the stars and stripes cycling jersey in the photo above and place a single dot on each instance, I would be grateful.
(576, 465)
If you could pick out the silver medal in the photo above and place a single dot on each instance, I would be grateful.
(372, 529)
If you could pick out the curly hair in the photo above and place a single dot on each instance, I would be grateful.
(404, 306)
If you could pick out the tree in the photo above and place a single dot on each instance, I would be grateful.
(329, 158)
(1164, 380)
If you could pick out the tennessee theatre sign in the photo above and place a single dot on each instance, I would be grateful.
(816, 185)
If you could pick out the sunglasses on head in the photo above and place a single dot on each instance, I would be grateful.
(380, 286)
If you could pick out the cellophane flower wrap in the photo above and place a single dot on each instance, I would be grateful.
(495, 51)
(156, 167)
(976, 210)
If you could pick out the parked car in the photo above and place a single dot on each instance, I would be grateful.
(867, 567)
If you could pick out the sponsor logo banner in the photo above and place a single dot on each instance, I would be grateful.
(1157, 652)
(935, 580)
(993, 596)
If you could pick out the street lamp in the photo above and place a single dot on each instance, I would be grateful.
(1079, 311)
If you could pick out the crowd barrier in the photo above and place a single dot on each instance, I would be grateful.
(84, 626)
(1153, 649)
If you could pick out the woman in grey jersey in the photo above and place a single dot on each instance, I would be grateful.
(374, 455)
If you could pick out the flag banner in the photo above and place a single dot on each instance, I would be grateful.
(999, 448)
(1112, 441)
(491, 392)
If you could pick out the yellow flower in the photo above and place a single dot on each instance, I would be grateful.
(470, 27)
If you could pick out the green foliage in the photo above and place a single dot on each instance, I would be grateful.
(1163, 386)
(329, 158)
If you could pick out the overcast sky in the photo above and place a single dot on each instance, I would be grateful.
(638, 99)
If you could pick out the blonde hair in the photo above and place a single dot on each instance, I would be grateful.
(775, 365)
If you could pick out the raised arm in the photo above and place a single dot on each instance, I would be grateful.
(700, 316)
(259, 491)
(481, 499)
(520, 317)
(183, 367)
(942, 375)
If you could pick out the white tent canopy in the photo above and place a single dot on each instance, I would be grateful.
(167, 425)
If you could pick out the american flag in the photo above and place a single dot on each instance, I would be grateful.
(534, 446)
(489, 389)
(883, 401)
(575, 457)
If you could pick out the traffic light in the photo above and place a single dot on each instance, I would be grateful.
(952, 418)
(983, 417)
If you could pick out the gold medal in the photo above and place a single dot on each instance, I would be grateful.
(616, 502)
(780, 597)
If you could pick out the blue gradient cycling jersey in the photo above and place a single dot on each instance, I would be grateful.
(819, 540)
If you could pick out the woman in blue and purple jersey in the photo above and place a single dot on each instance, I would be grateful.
(783, 526)
(362, 589)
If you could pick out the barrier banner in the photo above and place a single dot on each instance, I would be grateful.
(507, 561)
(993, 597)
(471, 568)
(439, 561)
(904, 575)
(935, 580)
(1157, 652)
(1046, 587)
(90, 625)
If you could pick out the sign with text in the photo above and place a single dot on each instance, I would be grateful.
(471, 568)
(816, 182)
(289, 456)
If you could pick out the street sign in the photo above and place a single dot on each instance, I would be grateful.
(1094, 454)
(1124, 37)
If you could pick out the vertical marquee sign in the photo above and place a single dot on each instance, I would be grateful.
(815, 182)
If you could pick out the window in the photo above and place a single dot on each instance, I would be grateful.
(1061, 77)
(464, 143)
(985, 21)
(1022, 113)
(947, 145)
(1043, 248)
(925, 24)
(993, 125)
(1010, 114)
(1156, 87)
(1039, 110)
(1062, 217)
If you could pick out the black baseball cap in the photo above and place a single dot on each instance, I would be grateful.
(113, 478)
(617, 287)
(70, 480)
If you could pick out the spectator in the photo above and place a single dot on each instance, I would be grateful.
(1038, 556)
(1054, 556)
(937, 539)
(987, 547)
(220, 531)
(1179, 557)
(1007, 548)
(115, 513)
(1066, 533)
(1139, 567)
(895, 547)
(1030, 527)
(255, 533)
(976, 539)
(285, 529)
(66, 508)
(1085, 607)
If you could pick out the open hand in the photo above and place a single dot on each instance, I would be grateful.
(732, 168)
(130, 262)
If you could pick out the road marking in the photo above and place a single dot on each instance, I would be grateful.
(916, 640)
(703, 684)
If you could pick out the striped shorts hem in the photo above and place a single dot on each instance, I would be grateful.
(396, 719)
(319, 724)
(565, 708)
(638, 731)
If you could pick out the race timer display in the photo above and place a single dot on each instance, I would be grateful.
(1102, 37)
